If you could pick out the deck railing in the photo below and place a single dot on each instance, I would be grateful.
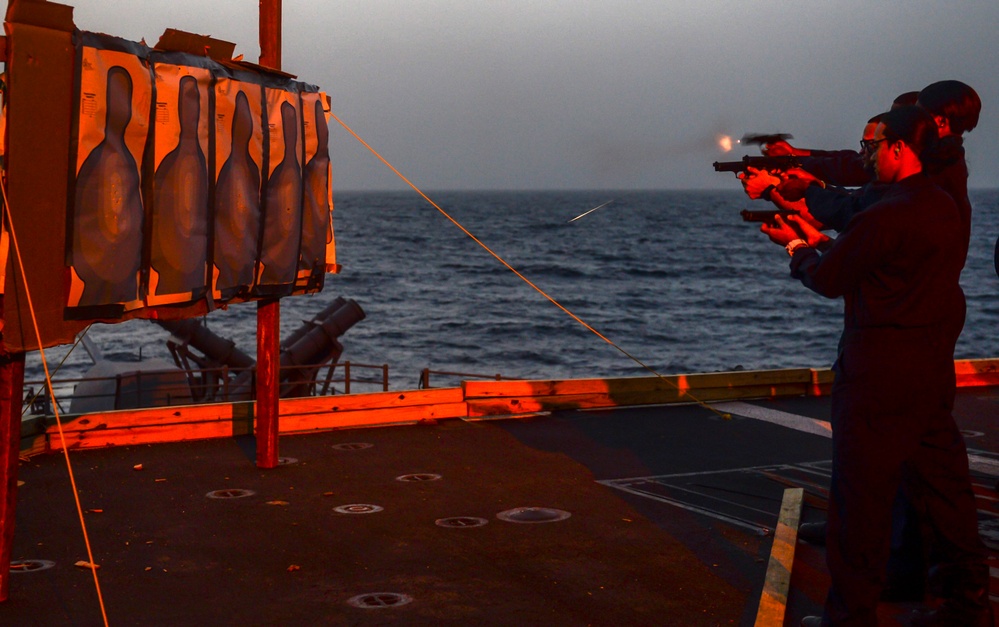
(426, 372)
(158, 388)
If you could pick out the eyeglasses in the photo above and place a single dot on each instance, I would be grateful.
(870, 145)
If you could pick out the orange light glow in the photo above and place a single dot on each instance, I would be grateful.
(725, 143)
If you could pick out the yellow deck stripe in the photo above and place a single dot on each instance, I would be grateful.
(773, 601)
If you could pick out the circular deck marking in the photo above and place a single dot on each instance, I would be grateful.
(420, 476)
(358, 508)
(230, 493)
(533, 515)
(379, 600)
(461, 522)
(30, 566)
(972, 434)
(352, 446)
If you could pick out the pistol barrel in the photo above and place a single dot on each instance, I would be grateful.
(768, 216)
(760, 163)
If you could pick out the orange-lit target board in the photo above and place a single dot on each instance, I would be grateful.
(192, 183)
(106, 217)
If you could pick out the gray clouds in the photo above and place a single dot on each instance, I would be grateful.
(585, 94)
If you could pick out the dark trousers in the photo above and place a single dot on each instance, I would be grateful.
(893, 426)
(907, 560)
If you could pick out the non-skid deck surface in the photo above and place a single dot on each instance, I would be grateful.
(670, 516)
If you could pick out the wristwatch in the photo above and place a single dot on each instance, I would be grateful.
(794, 245)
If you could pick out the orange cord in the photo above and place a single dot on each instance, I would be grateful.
(519, 275)
(55, 405)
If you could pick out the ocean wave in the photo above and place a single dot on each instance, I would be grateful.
(674, 278)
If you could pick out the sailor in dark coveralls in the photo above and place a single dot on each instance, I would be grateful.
(897, 266)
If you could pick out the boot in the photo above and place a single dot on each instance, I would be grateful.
(953, 613)
(813, 533)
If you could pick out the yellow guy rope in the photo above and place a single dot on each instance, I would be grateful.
(55, 405)
(519, 275)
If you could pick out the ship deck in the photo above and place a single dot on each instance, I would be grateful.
(671, 517)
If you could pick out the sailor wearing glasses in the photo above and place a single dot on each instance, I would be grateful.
(897, 266)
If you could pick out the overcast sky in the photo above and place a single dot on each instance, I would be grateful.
(584, 94)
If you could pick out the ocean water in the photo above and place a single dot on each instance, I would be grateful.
(674, 281)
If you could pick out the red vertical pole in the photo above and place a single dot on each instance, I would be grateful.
(11, 383)
(270, 33)
(268, 311)
(268, 359)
